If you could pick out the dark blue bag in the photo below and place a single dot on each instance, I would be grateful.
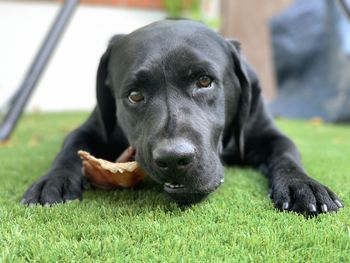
(311, 44)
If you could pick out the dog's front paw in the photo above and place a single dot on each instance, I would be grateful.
(303, 195)
(53, 189)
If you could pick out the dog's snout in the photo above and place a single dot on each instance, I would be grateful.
(173, 156)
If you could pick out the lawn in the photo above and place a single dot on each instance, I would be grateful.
(236, 224)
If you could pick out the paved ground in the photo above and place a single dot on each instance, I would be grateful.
(72, 69)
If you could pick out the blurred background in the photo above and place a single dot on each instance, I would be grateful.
(300, 49)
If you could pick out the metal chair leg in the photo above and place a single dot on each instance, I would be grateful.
(19, 100)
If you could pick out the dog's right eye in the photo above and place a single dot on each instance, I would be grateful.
(135, 97)
(204, 82)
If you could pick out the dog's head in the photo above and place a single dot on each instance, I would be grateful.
(179, 92)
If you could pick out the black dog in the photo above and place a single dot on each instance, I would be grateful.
(186, 100)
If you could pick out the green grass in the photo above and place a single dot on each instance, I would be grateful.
(236, 224)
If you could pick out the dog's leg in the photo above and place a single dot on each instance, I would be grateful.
(277, 157)
(262, 146)
(64, 180)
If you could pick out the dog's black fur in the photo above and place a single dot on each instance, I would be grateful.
(186, 100)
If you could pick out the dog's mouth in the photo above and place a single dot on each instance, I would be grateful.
(174, 188)
(184, 195)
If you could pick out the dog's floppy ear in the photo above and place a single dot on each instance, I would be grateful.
(105, 98)
(244, 102)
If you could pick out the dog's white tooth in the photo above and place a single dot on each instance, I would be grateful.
(173, 186)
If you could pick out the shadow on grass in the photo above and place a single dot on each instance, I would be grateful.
(148, 195)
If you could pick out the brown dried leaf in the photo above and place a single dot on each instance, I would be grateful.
(317, 121)
(6, 143)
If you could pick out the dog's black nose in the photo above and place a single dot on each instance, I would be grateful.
(173, 156)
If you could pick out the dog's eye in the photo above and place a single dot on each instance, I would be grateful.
(204, 82)
(135, 97)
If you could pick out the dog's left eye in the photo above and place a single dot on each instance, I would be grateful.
(204, 82)
(135, 97)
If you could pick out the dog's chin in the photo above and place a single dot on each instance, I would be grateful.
(185, 196)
